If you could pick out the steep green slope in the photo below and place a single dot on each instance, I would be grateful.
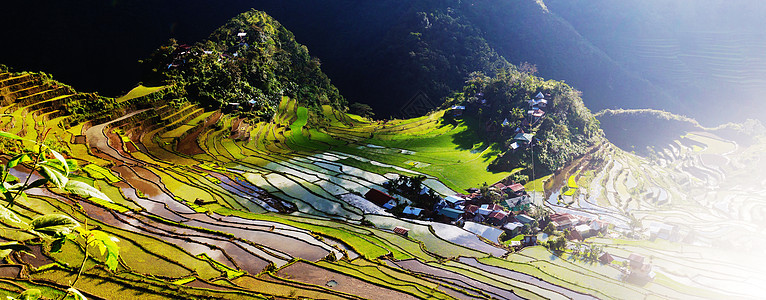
(565, 131)
(252, 60)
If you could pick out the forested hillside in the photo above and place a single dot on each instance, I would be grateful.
(252, 61)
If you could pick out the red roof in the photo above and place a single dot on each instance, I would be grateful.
(401, 230)
(472, 208)
(606, 258)
(499, 185)
(377, 197)
(516, 187)
(498, 215)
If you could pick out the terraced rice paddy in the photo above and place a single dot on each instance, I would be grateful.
(210, 205)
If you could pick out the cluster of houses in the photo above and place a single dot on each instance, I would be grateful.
(181, 54)
(488, 220)
(578, 228)
(522, 134)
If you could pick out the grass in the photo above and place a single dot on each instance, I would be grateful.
(140, 91)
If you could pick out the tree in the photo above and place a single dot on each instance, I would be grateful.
(549, 228)
(53, 228)
(361, 109)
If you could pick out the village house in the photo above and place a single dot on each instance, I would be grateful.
(524, 219)
(412, 211)
(523, 138)
(640, 268)
(513, 228)
(515, 190)
(457, 110)
(606, 258)
(378, 197)
(529, 240)
(401, 231)
(597, 226)
(498, 217)
(564, 221)
(519, 203)
(454, 200)
(451, 213)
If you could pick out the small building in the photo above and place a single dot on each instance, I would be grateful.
(412, 211)
(471, 209)
(451, 213)
(513, 228)
(454, 200)
(636, 260)
(378, 197)
(515, 189)
(484, 211)
(529, 240)
(599, 226)
(536, 113)
(506, 123)
(523, 138)
(519, 203)
(564, 221)
(492, 207)
(457, 110)
(524, 219)
(583, 230)
(242, 34)
(574, 235)
(498, 217)
(231, 107)
(606, 258)
(539, 95)
(401, 231)
(390, 204)
(661, 230)
(499, 186)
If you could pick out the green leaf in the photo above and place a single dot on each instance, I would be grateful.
(61, 159)
(54, 225)
(107, 245)
(57, 244)
(8, 216)
(13, 136)
(21, 158)
(37, 183)
(85, 190)
(77, 295)
(30, 294)
(54, 176)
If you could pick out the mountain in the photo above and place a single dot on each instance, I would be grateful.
(645, 131)
(252, 60)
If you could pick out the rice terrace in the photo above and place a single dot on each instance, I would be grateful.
(289, 195)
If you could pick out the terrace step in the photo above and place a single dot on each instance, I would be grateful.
(4, 75)
(178, 114)
(42, 96)
(181, 121)
(24, 85)
(14, 80)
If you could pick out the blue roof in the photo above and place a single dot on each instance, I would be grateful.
(458, 107)
(409, 210)
(451, 212)
(453, 199)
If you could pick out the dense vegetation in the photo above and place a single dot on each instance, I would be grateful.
(252, 60)
(567, 130)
